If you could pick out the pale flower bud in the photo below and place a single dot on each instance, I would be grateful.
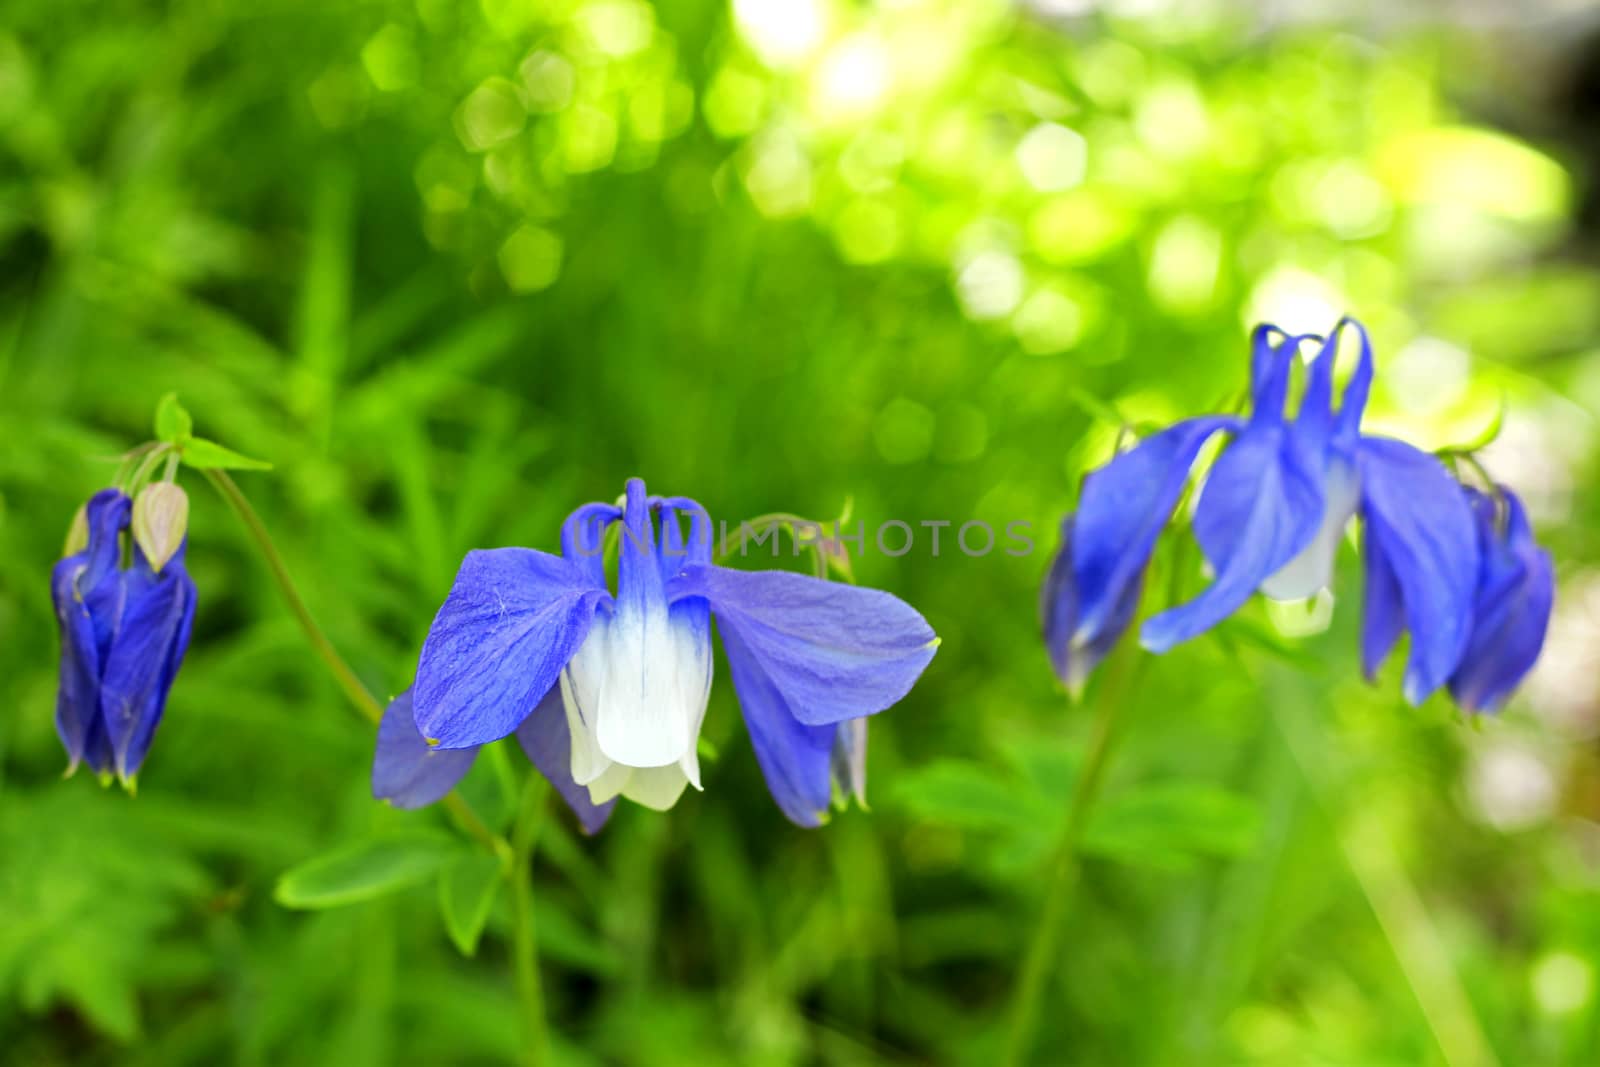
(77, 533)
(160, 520)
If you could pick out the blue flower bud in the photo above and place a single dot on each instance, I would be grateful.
(124, 631)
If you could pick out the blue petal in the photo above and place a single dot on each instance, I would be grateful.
(512, 620)
(1383, 608)
(676, 551)
(78, 693)
(583, 538)
(544, 737)
(834, 651)
(692, 613)
(640, 586)
(100, 586)
(1516, 589)
(88, 590)
(690, 616)
(796, 759)
(151, 639)
(1122, 510)
(1347, 425)
(1058, 613)
(1421, 526)
(406, 770)
(1260, 507)
(1272, 355)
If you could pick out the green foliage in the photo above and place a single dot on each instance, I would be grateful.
(208, 455)
(467, 891)
(173, 424)
(366, 869)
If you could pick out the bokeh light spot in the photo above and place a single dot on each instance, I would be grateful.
(390, 59)
(530, 259)
(854, 78)
(990, 285)
(1049, 322)
(1184, 263)
(1563, 983)
(1052, 157)
(618, 28)
(783, 32)
(492, 114)
(548, 78)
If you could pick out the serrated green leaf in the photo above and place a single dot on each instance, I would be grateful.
(173, 424)
(968, 795)
(202, 454)
(365, 869)
(467, 889)
(1168, 824)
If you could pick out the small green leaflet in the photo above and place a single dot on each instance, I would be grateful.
(175, 426)
(208, 455)
(363, 870)
(467, 889)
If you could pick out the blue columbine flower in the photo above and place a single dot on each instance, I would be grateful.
(538, 644)
(124, 631)
(1516, 590)
(1269, 518)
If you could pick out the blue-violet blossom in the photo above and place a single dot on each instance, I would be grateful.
(1269, 518)
(124, 630)
(607, 692)
(1516, 589)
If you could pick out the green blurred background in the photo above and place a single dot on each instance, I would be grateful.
(456, 268)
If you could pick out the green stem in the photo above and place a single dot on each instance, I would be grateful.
(358, 695)
(524, 836)
(1402, 914)
(1064, 870)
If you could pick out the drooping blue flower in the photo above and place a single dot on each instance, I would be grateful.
(1269, 518)
(1516, 590)
(124, 631)
(526, 638)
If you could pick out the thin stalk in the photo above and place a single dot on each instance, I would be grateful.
(1402, 915)
(355, 692)
(1064, 869)
(524, 836)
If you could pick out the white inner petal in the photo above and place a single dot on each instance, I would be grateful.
(693, 654)
(580, 699)
(650, 676)
(656, 787)
(1312, 569)
(613, 780)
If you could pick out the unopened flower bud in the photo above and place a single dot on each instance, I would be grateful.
(160, 521)
(77, 533)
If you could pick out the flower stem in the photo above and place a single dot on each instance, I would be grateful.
(524, 836)
(1402, 914)
(357, 693)
(1064, 869)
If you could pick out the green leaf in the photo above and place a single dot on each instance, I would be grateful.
(173, 424)
(967, 795)
(467, 889)
(208, 455)
(1167, 825)
(365, 869)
